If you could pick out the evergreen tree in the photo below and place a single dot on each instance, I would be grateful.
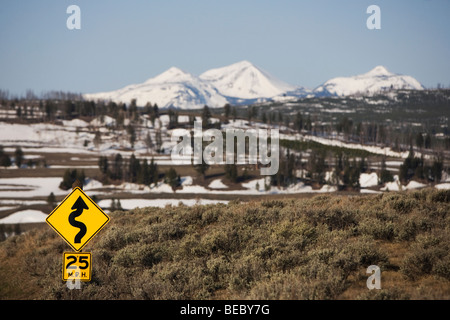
(145, 173)
(153, 172)
(158, 138)
(206, 116)
(436, 170)
(156, 110)
(298, 123)
(2, 232)
(115, 205)
(173, 119)
(308, 125)
(231, 172)
(133, 109)
(103, 164)
(5, 161)
(134, 168)
(70, 176)
(201, 168)
(132, 133)
(419, 140)
(280, 117)
(427, 141)
(51, 199)
(385, 175)
(227, 109)
(117, 172)
(264, 117)
(119, 205)
(172, 178)
(18, 157)
(17, 229)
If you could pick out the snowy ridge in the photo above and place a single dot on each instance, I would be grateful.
(246, 81)
(239, 83)
(376, 80)
(172, 88)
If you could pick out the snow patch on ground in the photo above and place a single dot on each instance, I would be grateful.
(414, 185)
(443, 186)
(257, 184)
(217, 184)
(129, 204)
(367, 180)
(25, 216)
(32, 187)
(392, 186)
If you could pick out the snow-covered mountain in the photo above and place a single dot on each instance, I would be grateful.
(244, 83)
(238, 83)
(244, 80)
(376, 80)
(172, 88)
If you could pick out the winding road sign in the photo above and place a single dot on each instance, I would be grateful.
(77, 219)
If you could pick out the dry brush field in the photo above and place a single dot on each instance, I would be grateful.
(314, 248)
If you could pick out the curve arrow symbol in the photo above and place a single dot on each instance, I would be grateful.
(78, 206)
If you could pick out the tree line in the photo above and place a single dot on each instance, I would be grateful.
(5, 159)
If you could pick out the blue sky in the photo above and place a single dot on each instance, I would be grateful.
(301, 42)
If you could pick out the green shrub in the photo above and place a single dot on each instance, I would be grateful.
(428, 255)
(379, 229)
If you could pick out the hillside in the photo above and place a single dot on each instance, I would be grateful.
(376, 80)
(316, 248)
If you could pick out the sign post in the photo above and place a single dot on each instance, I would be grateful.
(77, 219)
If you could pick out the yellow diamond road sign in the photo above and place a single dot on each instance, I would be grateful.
(77, 219)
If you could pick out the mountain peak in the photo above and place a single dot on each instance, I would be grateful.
(379, 71)
(173, 74)
(244, 80)
(243, 64)
(376, 80)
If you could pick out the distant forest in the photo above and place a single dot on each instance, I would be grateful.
(414, 121)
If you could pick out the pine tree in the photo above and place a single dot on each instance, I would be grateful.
(153, 172)
(144, 177)
(132, 133)
(148, 141)
(158, 139)
(201, 168)
(264, 117)
(134, 168)
(427, 141)
(18, 157)
(227, 109)
(70, 176)
(173, 119)
(206, 116)
(103, 164)
(419, 140)
(117, 172)
(119, 205)
(231, 172)
(298, 124)
(133, 110)
(172, 178)
(51, 199)
(385, 175)
(5, 161)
